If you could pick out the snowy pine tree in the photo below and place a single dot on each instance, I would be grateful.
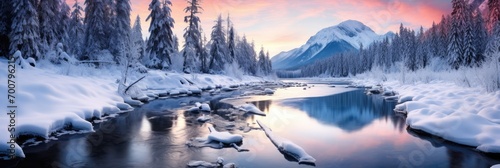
(480, 36)
(245, 56)
(96, 26)
(493, 45)
(470, 57)
(456, 36)
(269, 66)
(193, 50)
(5, 25)
(494, 14)
(176, 44)
(231, 45)
(136, 40)
(49, 17)
(261, 62)
(120, 47)
(218, 48)
(422, 49)
(63, 29)
(76, 30)
(160, 45)
(469, 47)
(443, 38)
(25, 32)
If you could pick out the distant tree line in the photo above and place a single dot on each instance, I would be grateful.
(465, 38)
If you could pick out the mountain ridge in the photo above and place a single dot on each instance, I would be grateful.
(344, 37)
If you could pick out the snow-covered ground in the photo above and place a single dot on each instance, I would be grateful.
(447, 109)
(51, 99)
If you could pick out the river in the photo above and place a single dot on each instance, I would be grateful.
(338, 126)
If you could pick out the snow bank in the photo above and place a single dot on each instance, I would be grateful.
(250, 108)
(468, 116)
(496, 166)
(287, 147)
(48, 101)
(165, 81)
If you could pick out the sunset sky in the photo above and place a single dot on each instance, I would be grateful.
(281, 25)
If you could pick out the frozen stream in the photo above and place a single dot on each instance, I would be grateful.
(339, 127)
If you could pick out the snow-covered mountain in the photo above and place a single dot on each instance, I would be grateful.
(346, 36)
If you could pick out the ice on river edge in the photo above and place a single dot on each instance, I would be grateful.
(288, 147)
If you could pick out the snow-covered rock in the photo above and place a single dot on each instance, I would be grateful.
(194, 90)
(224, 137)
(204, 107)
(132, 102)
(388, 93)
(31, 61)
(203, 118)
(288, 147)
(227, 89)
(124, 106)
(268, 91)
(403, 99)
(204, 164)
(250, 108)
(217, 164)
(217, 140)
(200, 107)
(20, 61)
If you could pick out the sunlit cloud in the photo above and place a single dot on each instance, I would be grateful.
(280, 25)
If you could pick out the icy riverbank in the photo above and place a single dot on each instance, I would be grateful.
(55, 99)
(464, 115)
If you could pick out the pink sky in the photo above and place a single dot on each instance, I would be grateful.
(281, 25)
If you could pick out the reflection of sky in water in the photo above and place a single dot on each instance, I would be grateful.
(349, 129)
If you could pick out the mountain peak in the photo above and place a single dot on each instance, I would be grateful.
(354, 24)
(346, 36)
(351, 31)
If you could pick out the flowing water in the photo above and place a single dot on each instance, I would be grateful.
(340, 127)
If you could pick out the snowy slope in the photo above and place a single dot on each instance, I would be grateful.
(346, 36)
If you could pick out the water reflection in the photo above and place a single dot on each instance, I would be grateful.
(458, 155)
(350, 111)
